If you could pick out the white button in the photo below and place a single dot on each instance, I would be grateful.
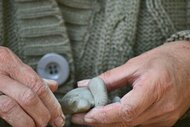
(53, 66)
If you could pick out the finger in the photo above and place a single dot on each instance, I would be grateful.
(79, 119)
(52, 84)
(27, 76)
(11, 112)
(120, 76)
(83, 83)
(22, 73)
(132, 104)
(100, 115)
(27, 99)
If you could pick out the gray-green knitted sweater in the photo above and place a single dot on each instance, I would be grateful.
(93, 35)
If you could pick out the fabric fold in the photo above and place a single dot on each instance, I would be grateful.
(38, 29)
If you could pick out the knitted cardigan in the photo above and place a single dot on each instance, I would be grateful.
(93, 35)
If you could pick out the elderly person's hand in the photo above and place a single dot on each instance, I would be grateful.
(160, 94)
(26, 99)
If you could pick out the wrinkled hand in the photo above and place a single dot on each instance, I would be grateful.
(160, 94)
(27, 101)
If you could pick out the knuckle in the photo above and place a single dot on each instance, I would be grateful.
(9, 61)
(4, 54)
(7, 105)
(35, 82)
(41, 89)
(32, 78)
(28, 98)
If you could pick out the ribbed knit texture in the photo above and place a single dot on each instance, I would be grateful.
(35, 28)
(103, 33)
(78, 15)
(108, 37)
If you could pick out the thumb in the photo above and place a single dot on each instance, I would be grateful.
(132, 105)
(104, 115)
(99, 115)
(116, 77)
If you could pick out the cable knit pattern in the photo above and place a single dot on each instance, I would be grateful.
(115, 39)
(162, 19)
(147, 37)
(109, 37)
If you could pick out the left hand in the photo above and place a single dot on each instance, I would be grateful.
(160, 94)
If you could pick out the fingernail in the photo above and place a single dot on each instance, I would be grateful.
(83, 83)
(89, 120)
(59, 121)
(50, 81)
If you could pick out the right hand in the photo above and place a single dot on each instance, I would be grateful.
(160, 94)
(26, 99)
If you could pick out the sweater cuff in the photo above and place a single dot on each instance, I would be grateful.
(180, 36)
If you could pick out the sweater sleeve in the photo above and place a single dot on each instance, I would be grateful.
(179, 36)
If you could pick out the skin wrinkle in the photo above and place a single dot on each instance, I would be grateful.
(33, 98)
(158, 91)
(11, 111)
